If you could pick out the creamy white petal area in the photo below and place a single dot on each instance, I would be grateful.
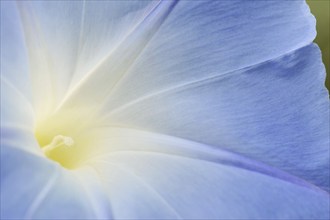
(67, 40)
(150, 176)
(112, 68)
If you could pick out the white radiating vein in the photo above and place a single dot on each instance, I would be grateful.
(42, 195)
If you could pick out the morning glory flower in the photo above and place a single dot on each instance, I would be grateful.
(162, 110)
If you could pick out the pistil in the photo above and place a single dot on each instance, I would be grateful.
(58, 141)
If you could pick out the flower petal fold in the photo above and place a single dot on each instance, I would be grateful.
(152, 176)
(276, 112)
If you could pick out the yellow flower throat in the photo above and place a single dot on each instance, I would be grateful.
(66, 139)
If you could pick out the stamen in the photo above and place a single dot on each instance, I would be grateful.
(58, 141)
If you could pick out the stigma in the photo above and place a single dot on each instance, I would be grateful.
(58, 141)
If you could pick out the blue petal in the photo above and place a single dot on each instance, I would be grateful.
(150, 176)
(275, 112)
(213, 91)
